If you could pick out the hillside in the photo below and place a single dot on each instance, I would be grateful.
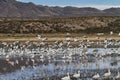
(58, 25)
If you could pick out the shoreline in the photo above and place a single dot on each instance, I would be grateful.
(55, 37)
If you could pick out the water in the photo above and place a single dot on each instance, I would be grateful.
(57, 62)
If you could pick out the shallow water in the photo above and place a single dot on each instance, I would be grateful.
(58, 66)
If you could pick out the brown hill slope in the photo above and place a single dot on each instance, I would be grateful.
(55, 25)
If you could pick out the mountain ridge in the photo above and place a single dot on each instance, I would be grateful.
(13, 8)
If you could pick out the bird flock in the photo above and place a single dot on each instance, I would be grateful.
(70, 59)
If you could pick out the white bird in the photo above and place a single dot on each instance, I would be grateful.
(68, 38)
(7, 56)
(64, 57)
(49, 57)
(16, 61)
(68, 34)
(69, 57)
(97, 76)
(42, 59)
(32, 56)
(8, 60)
(42, 56)
(60, 44)
(39, 37)
(77, 75)
(11, 62)
(43, 39)
(118, 76)
(22, 68)
(76, 39)
(66, 77)
(42, 43)
(33, 61)
(21, 59)
(107, 74)
(111, 32)
(118, 34)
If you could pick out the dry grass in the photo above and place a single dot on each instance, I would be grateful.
(53, 37)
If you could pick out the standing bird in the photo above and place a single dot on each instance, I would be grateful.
(77, 75)
(76, 39)
(96, 77)
(66, 77)
(108, 74)
(39, 37)
(118, 76)
(118, 34)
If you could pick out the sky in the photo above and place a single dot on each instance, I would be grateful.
(100, 4)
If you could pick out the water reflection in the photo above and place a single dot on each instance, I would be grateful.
(58, 62)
